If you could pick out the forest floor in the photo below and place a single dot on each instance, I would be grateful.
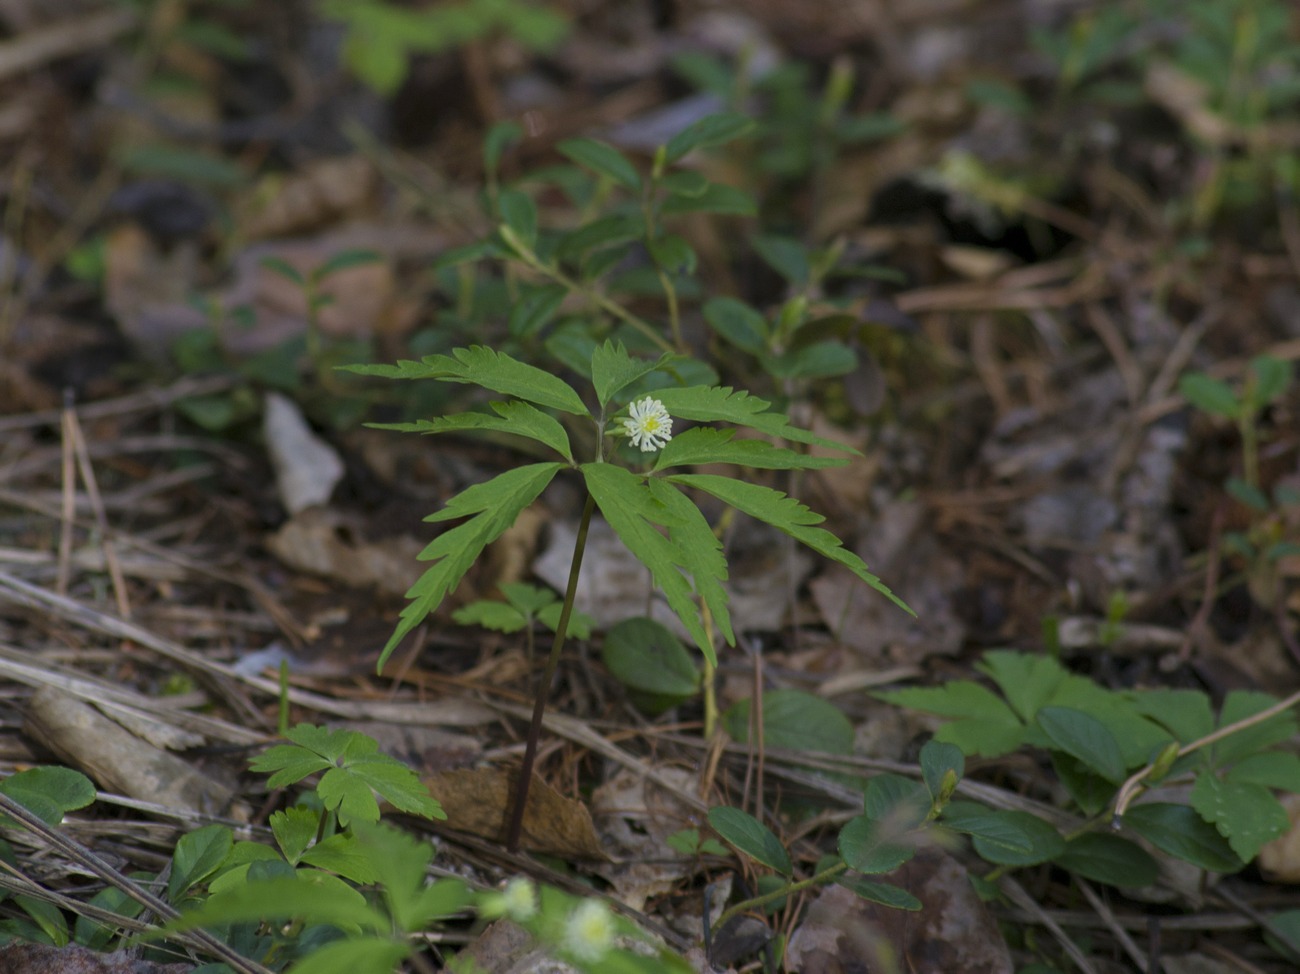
(1042, 216)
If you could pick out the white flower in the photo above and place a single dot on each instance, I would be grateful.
(589, 931)
(648, 424)
(518, 901)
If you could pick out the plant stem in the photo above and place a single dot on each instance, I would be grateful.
(825, 876)
(516, 827)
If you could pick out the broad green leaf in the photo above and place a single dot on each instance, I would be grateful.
(1178, 830)
(1209, 395)
(819, 360)
(994, 828)
(716, 198)
(981, 723)
(1084, 737)
(49, 792)
(751, 837)
(48, 917)
(1271, 377)
(713, 404)
(704, 445)
(98, 936)
(315, 897)
(1184, 713)
(673, 254)
(1240, 704)
(519, 214)
(1272, 769)
(1044, 841)
(514, 417)
(197, 856)
(942, 766)
(785, 255)
(709, 131)
(738, 323)
(794, 720)
(481, 366)
(602, 159)
(789, 516)
(871, 847)
(1245, 814)
(491, 508)
(295, 829)
(1246, 494)
(621, 228)
(497, 616)
(528, 599)
(401, 860)
(347, 790)
(886, 894)
(1138, 738)
(1089, 790)
(633, 512)
(701, 553)
(1027, 681)
(613, 370)
(359, 955)
(903, 802)
(645, 655)
(338, 853)
(535, 305)
(1282, 934)
(580, 624)
(1108, 859)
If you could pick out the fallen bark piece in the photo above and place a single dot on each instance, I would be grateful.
(116, 759)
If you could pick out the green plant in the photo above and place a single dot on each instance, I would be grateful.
(524, 604)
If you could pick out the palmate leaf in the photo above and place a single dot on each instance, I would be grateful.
(709, 404)
(705, 445)
(516, 417)
(788, 515)
(633, 511)
(613, 370)
(494, 505)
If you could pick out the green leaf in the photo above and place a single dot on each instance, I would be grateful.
(870, 847)
(1237, 706)
(1089, 790)
(794, 720)
(359, 955)
(1246, 494)
(716, 198)
(338, 853)
(344, 259)
(787, 256)
(499, 137)
(709, 131)
(295, 830)
(644, 655)
(1180, 831)
(751, 837)
(1272, 769)
(1084, 737)
(1271, 377)
(49, 792)
(942, 766)
(580, 624)
(738, 323)
(713, 404)
(315, 897)
(278, 265)
(673, 254)
(1209, 395)
(197, 856)
(701, 553)
(519, 214)
(613, 370)
(499, 372)
(492, 507)
(1027, 681)
(1001, 849)
(515, 417)
(620, 228)
(534, 306)
(633, 511)
(48, 917)
(819, 360)
(993, 828)
(702, 444)
(1184, 713)
(1245, 814)
(981, 723)
(1108, 859)
(497, 616)
(602, 159)
(901, 801)
(789, 516)
(886, 894)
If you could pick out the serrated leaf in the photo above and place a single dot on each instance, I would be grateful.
(713, 404)
(790, 517)
(1108, 859)
(701, 553)
(613, 370)
(869, 847)
(1044, 841)
(1272, 769)
(751, 837)
(515, 417)
(1237, 706)
(709, 131)
(312, 896)
(491, 508)
(602, 159)
(886, 894)
(347, 790)
(1184, 713)
(981, 722)
(738, 323)
(528, 599)
(197, 856)
(1180, 831)
(1027, 681)
(295, 830)
(482, 366)
(702, 444)
(994, 828)
(288, 764)
(633, 512)
(1084, 737)
(497, 616)
(339, 853)
(1246, 814)
(1209, 394)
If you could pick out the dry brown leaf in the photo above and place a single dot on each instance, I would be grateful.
(324, 541)
(478, 800)
(635, 818)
